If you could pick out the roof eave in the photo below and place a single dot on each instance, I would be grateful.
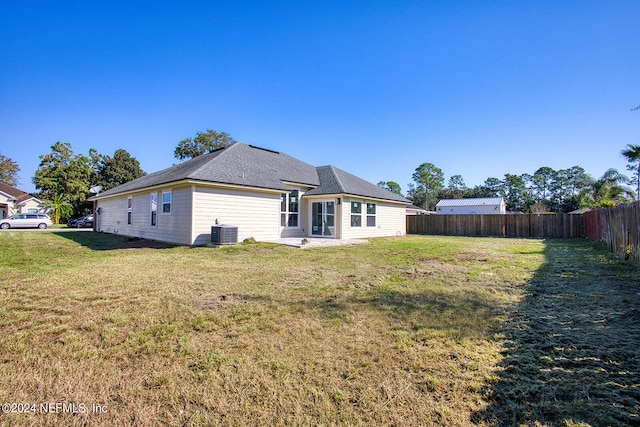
(358, 196)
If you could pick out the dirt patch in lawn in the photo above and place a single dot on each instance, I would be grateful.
(430, 267)
(215, 302)
(572, 345)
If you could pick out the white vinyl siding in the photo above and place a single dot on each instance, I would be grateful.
(303, 214)
(255, 213)
(390, 220)
(174, 228)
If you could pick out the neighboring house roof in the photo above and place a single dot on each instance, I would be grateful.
(450, 203)
(580, 211)
(19, 195)
(418, 209)
(250, 166)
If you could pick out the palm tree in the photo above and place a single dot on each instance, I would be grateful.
(607, 191)
(60, 207)
(632, 153)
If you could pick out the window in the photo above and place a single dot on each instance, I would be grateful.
(166, 202)
(294, 205)
(289, 209)
(154, 210)
(129, 210)
(32, 210)
(331, 214)
(283, 210)
(356, 214)
(371, 214)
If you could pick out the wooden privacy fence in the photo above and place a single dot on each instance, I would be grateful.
(617, 227)
(509, 225)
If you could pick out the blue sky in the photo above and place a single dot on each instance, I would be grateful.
(376, 88)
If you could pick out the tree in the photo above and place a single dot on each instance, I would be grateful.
(431, 178)
(456, 189)
(60, 206)
(542, 180)
(394, 187)
(456, 183)
(203, 143)
(8, 171)
(563, 191)
(116, 170)
(632, 154)
(517, 196)
(417, 195)
(63, 173)
(607, 191)
(539, 208)
(492, 187)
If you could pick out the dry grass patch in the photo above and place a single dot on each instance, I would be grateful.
(571, 355)
(402, 331)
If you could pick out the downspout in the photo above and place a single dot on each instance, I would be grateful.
(193, 215)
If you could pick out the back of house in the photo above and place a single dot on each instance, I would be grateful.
(266, 194)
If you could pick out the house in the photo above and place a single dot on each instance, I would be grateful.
(13, 201)
(580, 211)
(266, 194)
(417, 210)
(480, 206)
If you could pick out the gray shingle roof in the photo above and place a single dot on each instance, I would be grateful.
(246, 165)
(238, 164)
(337, 181)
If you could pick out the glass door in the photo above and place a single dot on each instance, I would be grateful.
(323, 219)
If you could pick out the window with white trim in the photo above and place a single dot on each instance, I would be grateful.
(290, 209)
(371, 214)
(166, 202)
(356, 214)
(129, 210)
(154, 209)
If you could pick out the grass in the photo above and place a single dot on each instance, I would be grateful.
(402, 331)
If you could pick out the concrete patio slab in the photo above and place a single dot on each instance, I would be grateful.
(318, 243)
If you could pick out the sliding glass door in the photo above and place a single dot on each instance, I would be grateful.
(323, 219)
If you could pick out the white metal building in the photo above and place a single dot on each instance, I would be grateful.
(483, 206)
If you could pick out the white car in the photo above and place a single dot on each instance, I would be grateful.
(26, 221)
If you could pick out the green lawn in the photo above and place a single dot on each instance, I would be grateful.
(418, 330)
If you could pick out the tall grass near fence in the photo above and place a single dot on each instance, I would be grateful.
(617, 227)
